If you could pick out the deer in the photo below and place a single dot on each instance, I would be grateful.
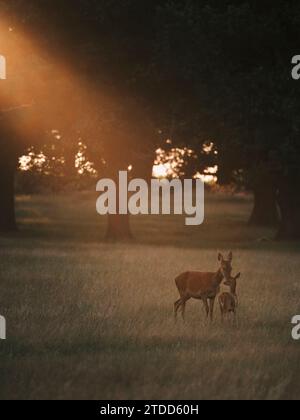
(228, 301)
(202, 286)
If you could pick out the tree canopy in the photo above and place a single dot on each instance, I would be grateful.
(122, 76)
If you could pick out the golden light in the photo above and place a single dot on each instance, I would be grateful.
(162, 170)
(50, 90)
(25, 163)
(209, 176)
(208, 147)
(60, 100)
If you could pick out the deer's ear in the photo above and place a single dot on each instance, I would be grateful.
(237, 276)
(220, 257)
(230, 256)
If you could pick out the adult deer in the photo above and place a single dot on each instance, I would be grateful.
(202, 286)
(228, 301)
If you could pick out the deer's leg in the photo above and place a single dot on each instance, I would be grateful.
(180, 304)
(222, 312)
(206, 307)
(211, 309)
(177, 305)
(183, 305)
(183, 301)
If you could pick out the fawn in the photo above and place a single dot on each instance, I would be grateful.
(202, 286)
(228, 301)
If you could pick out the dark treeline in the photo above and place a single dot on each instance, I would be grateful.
(189, 70)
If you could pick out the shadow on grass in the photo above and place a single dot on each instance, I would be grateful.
(72, 218)
(215, 338)
(116, 344)
(168, 231)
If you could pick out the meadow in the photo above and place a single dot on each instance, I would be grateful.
(93, 320)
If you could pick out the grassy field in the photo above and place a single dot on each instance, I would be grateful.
(90, 320)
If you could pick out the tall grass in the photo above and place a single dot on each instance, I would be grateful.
(91, 320)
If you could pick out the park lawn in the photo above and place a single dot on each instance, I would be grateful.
(93, 320)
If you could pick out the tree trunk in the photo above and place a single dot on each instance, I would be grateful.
(7, 192)
(265, 212)
(118, 228)
(289, 204)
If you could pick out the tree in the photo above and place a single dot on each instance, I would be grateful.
(192, 71)
(97, 99)
(236, 57)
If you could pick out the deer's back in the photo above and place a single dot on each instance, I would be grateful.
(195, 284)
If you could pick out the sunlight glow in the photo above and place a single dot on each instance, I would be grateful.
(162, 170)
(209, 176)
(82, 164)
(208, 147)
(37, 95)
(170, 163)
(34, 78)
(27, 162)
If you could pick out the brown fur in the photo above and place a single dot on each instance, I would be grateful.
(202, 286)
(228, 301)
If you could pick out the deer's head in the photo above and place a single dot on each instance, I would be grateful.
(226, 267)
